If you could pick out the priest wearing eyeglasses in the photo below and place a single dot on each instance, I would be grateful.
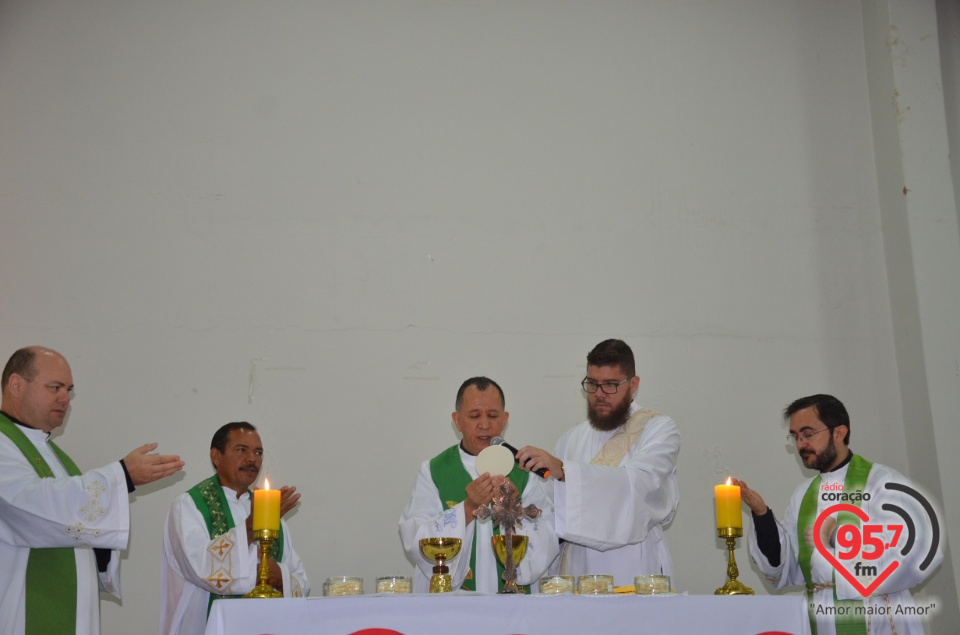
(854, 500)
(615, 486)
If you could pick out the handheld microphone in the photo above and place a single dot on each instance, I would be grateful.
(542, 472)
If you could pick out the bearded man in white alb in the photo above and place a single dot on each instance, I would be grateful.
(614, 476)
(786, 550)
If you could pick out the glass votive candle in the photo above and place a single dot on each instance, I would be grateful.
(652, 584)
(343, 585)
(595, 584)
(394, 584)
(556, 584)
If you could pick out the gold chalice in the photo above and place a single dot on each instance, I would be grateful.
(440, 550)
(510, 560)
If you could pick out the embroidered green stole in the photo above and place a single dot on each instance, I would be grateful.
(51, 582)
(451, 479)
(851, 620)
(209, 498)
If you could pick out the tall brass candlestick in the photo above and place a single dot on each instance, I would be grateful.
(263, 588)
(733, 586)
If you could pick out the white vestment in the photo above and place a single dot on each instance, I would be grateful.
(82, 512)
(194, 565)
(881, 607)
(612, 518)
(426, 516)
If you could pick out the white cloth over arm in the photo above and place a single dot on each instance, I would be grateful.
(426, 516)
(892, 592)
(194, 565)
(80, 512)
(612, 517)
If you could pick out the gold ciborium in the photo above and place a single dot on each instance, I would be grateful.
(510, 560)
(733, 586)
(263, 588)
(440, 550)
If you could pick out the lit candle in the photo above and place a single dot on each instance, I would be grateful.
(266, 508)
(728, 505)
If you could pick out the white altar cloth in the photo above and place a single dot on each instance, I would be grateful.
(474, 614)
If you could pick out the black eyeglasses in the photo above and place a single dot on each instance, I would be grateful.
(608, 387)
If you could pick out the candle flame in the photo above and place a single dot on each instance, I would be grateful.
(266, 483)
(729, 481)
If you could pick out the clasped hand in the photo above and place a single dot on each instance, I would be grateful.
(480, 492)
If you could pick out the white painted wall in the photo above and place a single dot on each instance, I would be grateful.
(911, 78)
(322, 216)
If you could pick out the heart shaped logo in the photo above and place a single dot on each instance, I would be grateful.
(862, 515)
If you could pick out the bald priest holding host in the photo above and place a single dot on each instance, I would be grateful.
(60, 528)
(610, 491)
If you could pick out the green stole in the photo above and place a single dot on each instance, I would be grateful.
(451, 479)
(209, 498)
(851, 622)
(51, 582)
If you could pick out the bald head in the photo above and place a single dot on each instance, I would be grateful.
(37, 386)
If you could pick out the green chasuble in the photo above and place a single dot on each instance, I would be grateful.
(51, 593)
(209, 498)
(451, 479)
(851, 622)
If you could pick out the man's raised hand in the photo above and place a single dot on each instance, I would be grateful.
(144, 467)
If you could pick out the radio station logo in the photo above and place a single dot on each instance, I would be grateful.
(860, 548)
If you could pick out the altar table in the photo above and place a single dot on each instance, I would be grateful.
(467, 613)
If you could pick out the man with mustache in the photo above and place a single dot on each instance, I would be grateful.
(449, 489)
(615, 484)
(208, 547)
(59, 529)
(786, 551)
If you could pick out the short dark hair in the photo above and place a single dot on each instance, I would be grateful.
(22, 363)
(613, 353)
(482, 383)
(830, 411)
(220, 437)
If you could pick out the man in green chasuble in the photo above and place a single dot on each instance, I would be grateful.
(60, 529)
(208, 547)
(787, 553)
(448, 490)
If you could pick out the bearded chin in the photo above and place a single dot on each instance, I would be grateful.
(617, 417)
(826, 458)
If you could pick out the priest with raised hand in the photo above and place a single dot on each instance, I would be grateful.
(209, 550)
(873, 597)
(449, 489)
(60, 529)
